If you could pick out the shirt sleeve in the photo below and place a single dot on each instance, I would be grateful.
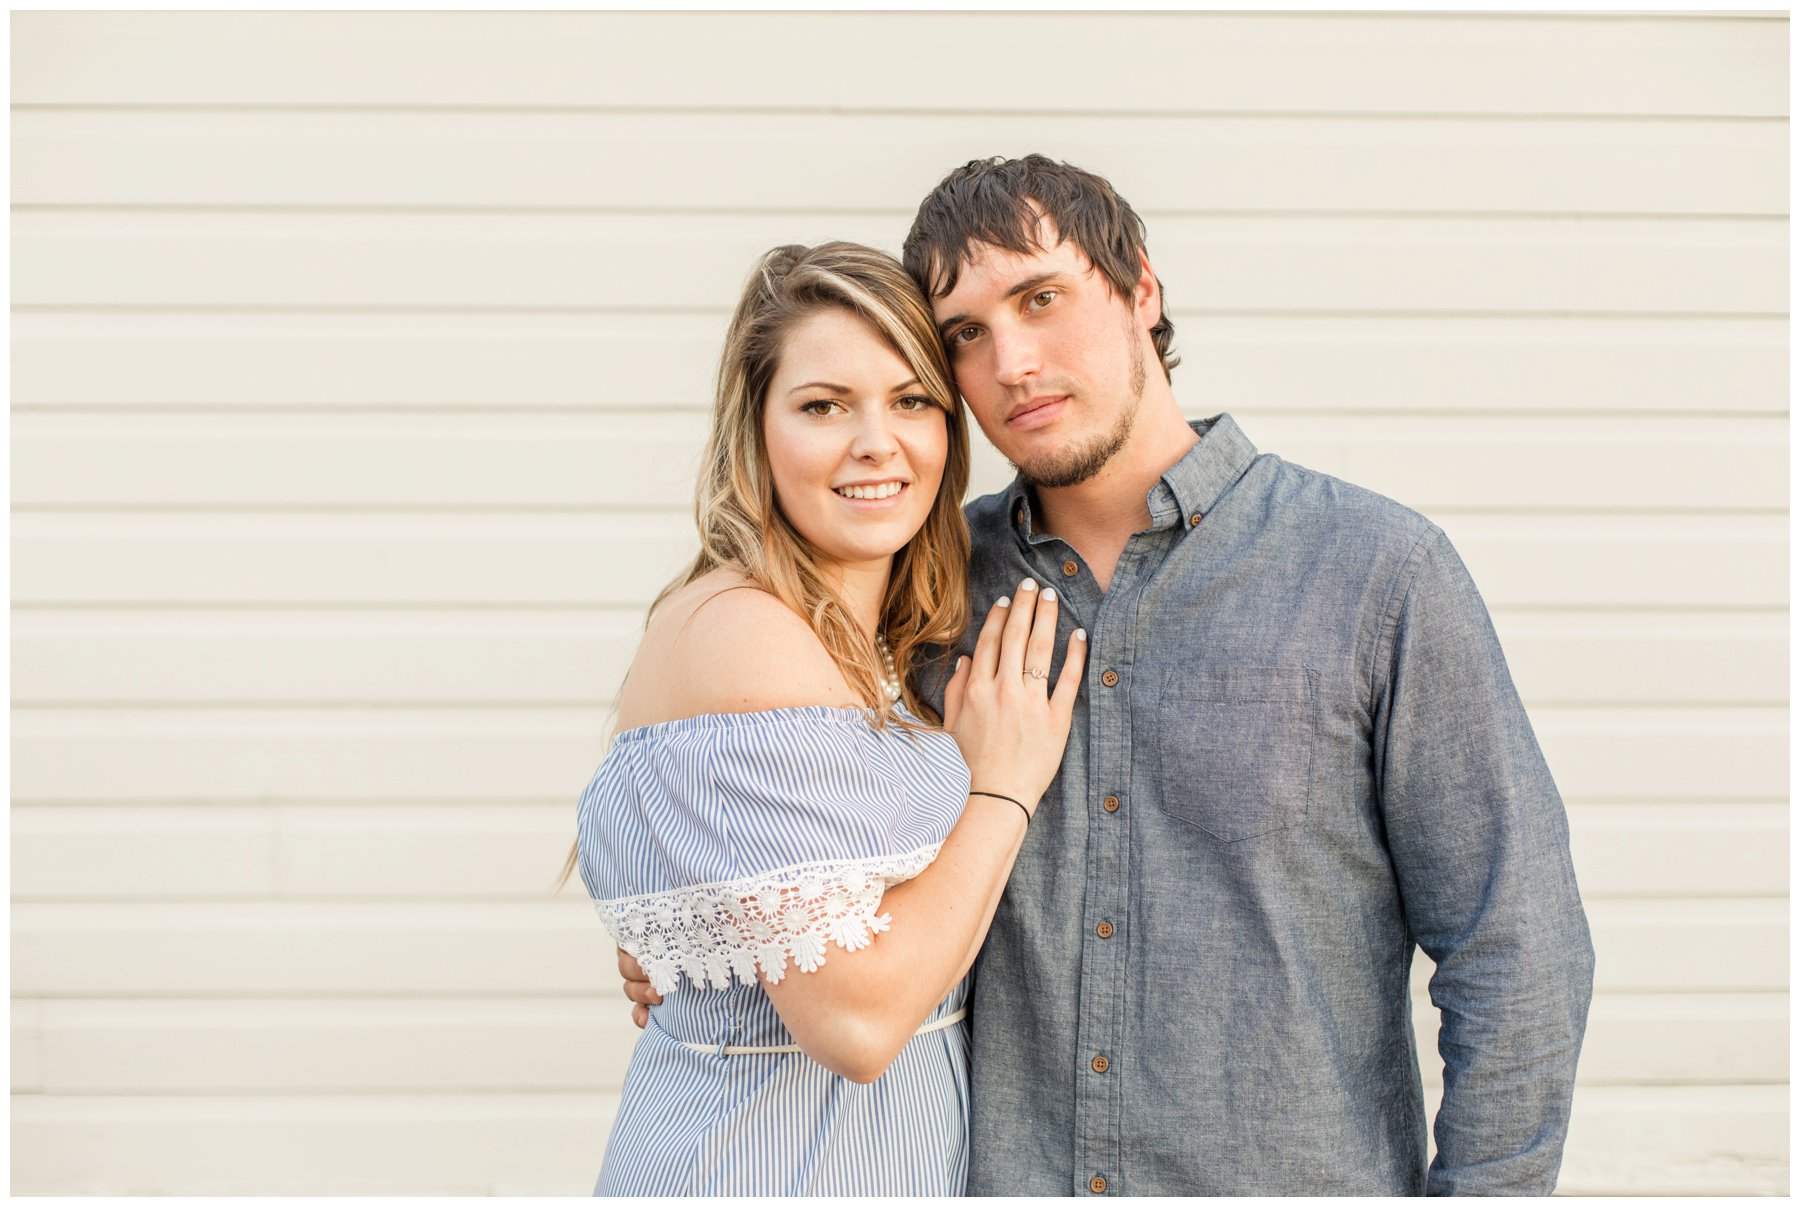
(767, 844)
(1480, 845)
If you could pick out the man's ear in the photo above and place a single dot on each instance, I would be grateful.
(1146, 295)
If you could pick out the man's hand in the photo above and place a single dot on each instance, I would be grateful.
(637, 988)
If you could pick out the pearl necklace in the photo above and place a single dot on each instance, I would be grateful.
(892, 682)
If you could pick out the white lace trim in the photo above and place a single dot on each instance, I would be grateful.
(715, 932)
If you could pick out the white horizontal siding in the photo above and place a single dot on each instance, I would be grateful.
(259, 948)
(576, 1044)
(877, 162)
(1706, 1140)
(360, 363)
(74, 852)
(621, 559)
(310, 1144)
(68, 657)
(649, 461)
(210, 753)
(634, 262)
(1467, 64)
(1437, 365)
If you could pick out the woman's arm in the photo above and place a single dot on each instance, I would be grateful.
(855, 1013)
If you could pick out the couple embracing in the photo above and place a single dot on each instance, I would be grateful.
(1078, 842)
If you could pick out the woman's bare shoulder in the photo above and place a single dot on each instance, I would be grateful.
(723, 644)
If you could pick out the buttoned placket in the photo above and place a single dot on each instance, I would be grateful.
(1114, 634)
(1113, 638)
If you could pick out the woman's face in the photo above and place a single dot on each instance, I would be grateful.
(856, 447)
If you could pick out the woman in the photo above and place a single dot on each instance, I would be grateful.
(779, 796)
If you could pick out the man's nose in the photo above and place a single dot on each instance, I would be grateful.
(1015, 356)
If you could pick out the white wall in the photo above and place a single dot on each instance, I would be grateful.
(360, 366)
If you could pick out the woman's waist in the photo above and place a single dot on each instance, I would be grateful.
(744, 1017)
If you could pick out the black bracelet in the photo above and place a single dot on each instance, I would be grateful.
(997, 796)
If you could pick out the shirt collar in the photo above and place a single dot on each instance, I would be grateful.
(1187, 489)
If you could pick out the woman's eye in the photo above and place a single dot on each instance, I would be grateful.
(915, 402)
(819, 406)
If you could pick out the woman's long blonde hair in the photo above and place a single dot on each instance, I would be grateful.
(741, 524)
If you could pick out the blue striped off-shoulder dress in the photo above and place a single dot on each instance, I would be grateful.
(721, 844)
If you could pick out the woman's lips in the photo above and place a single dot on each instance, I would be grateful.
(874, 504)
(1037, 416)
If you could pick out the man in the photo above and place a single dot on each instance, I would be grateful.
(1297, 754)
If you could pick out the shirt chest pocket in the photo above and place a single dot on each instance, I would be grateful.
(1235, 747)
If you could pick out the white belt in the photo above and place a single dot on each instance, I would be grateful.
(949, 1020)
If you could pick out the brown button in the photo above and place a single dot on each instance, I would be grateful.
(1104, 930)
(1110, 804)
(1097, 1184)
(1019, 514)
(1194, 520)
(1101, 1064)
(1110, 678)
(1070, 569)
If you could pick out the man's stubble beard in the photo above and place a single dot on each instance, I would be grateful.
(1075, 466)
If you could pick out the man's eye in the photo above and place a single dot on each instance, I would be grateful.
(1043, 298)
(964, 335)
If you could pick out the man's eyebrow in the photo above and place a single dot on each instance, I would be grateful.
(1030, 283)
(1026, 286)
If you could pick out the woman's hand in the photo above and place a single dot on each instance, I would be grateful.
(999, 705)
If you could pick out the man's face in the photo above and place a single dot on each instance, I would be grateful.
(1049, 358)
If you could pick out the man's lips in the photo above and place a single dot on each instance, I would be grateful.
(1037, 412)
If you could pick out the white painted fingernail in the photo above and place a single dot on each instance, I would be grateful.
(1029, 584)
(1003, 602)
(1049, 592)
(1081, 634)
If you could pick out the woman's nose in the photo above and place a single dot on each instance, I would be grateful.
(874, 439)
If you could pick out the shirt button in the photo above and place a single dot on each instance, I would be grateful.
(1097, 1184)
(1019, 514)
(1070, 569)
(1101, 1064)
(1104, 930)
(1194, 520)
(1110, 804)
(1110, 678)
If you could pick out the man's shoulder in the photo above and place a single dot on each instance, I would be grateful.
(1321, 500)
(990, 523)
(987, 515)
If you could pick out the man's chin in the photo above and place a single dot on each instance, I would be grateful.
(1068, 467)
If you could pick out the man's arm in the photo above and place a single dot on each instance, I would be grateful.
(1480, 845)
(637, 988)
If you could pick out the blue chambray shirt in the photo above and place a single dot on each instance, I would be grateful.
(1311, 759)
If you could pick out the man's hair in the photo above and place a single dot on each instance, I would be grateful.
(999, 201)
